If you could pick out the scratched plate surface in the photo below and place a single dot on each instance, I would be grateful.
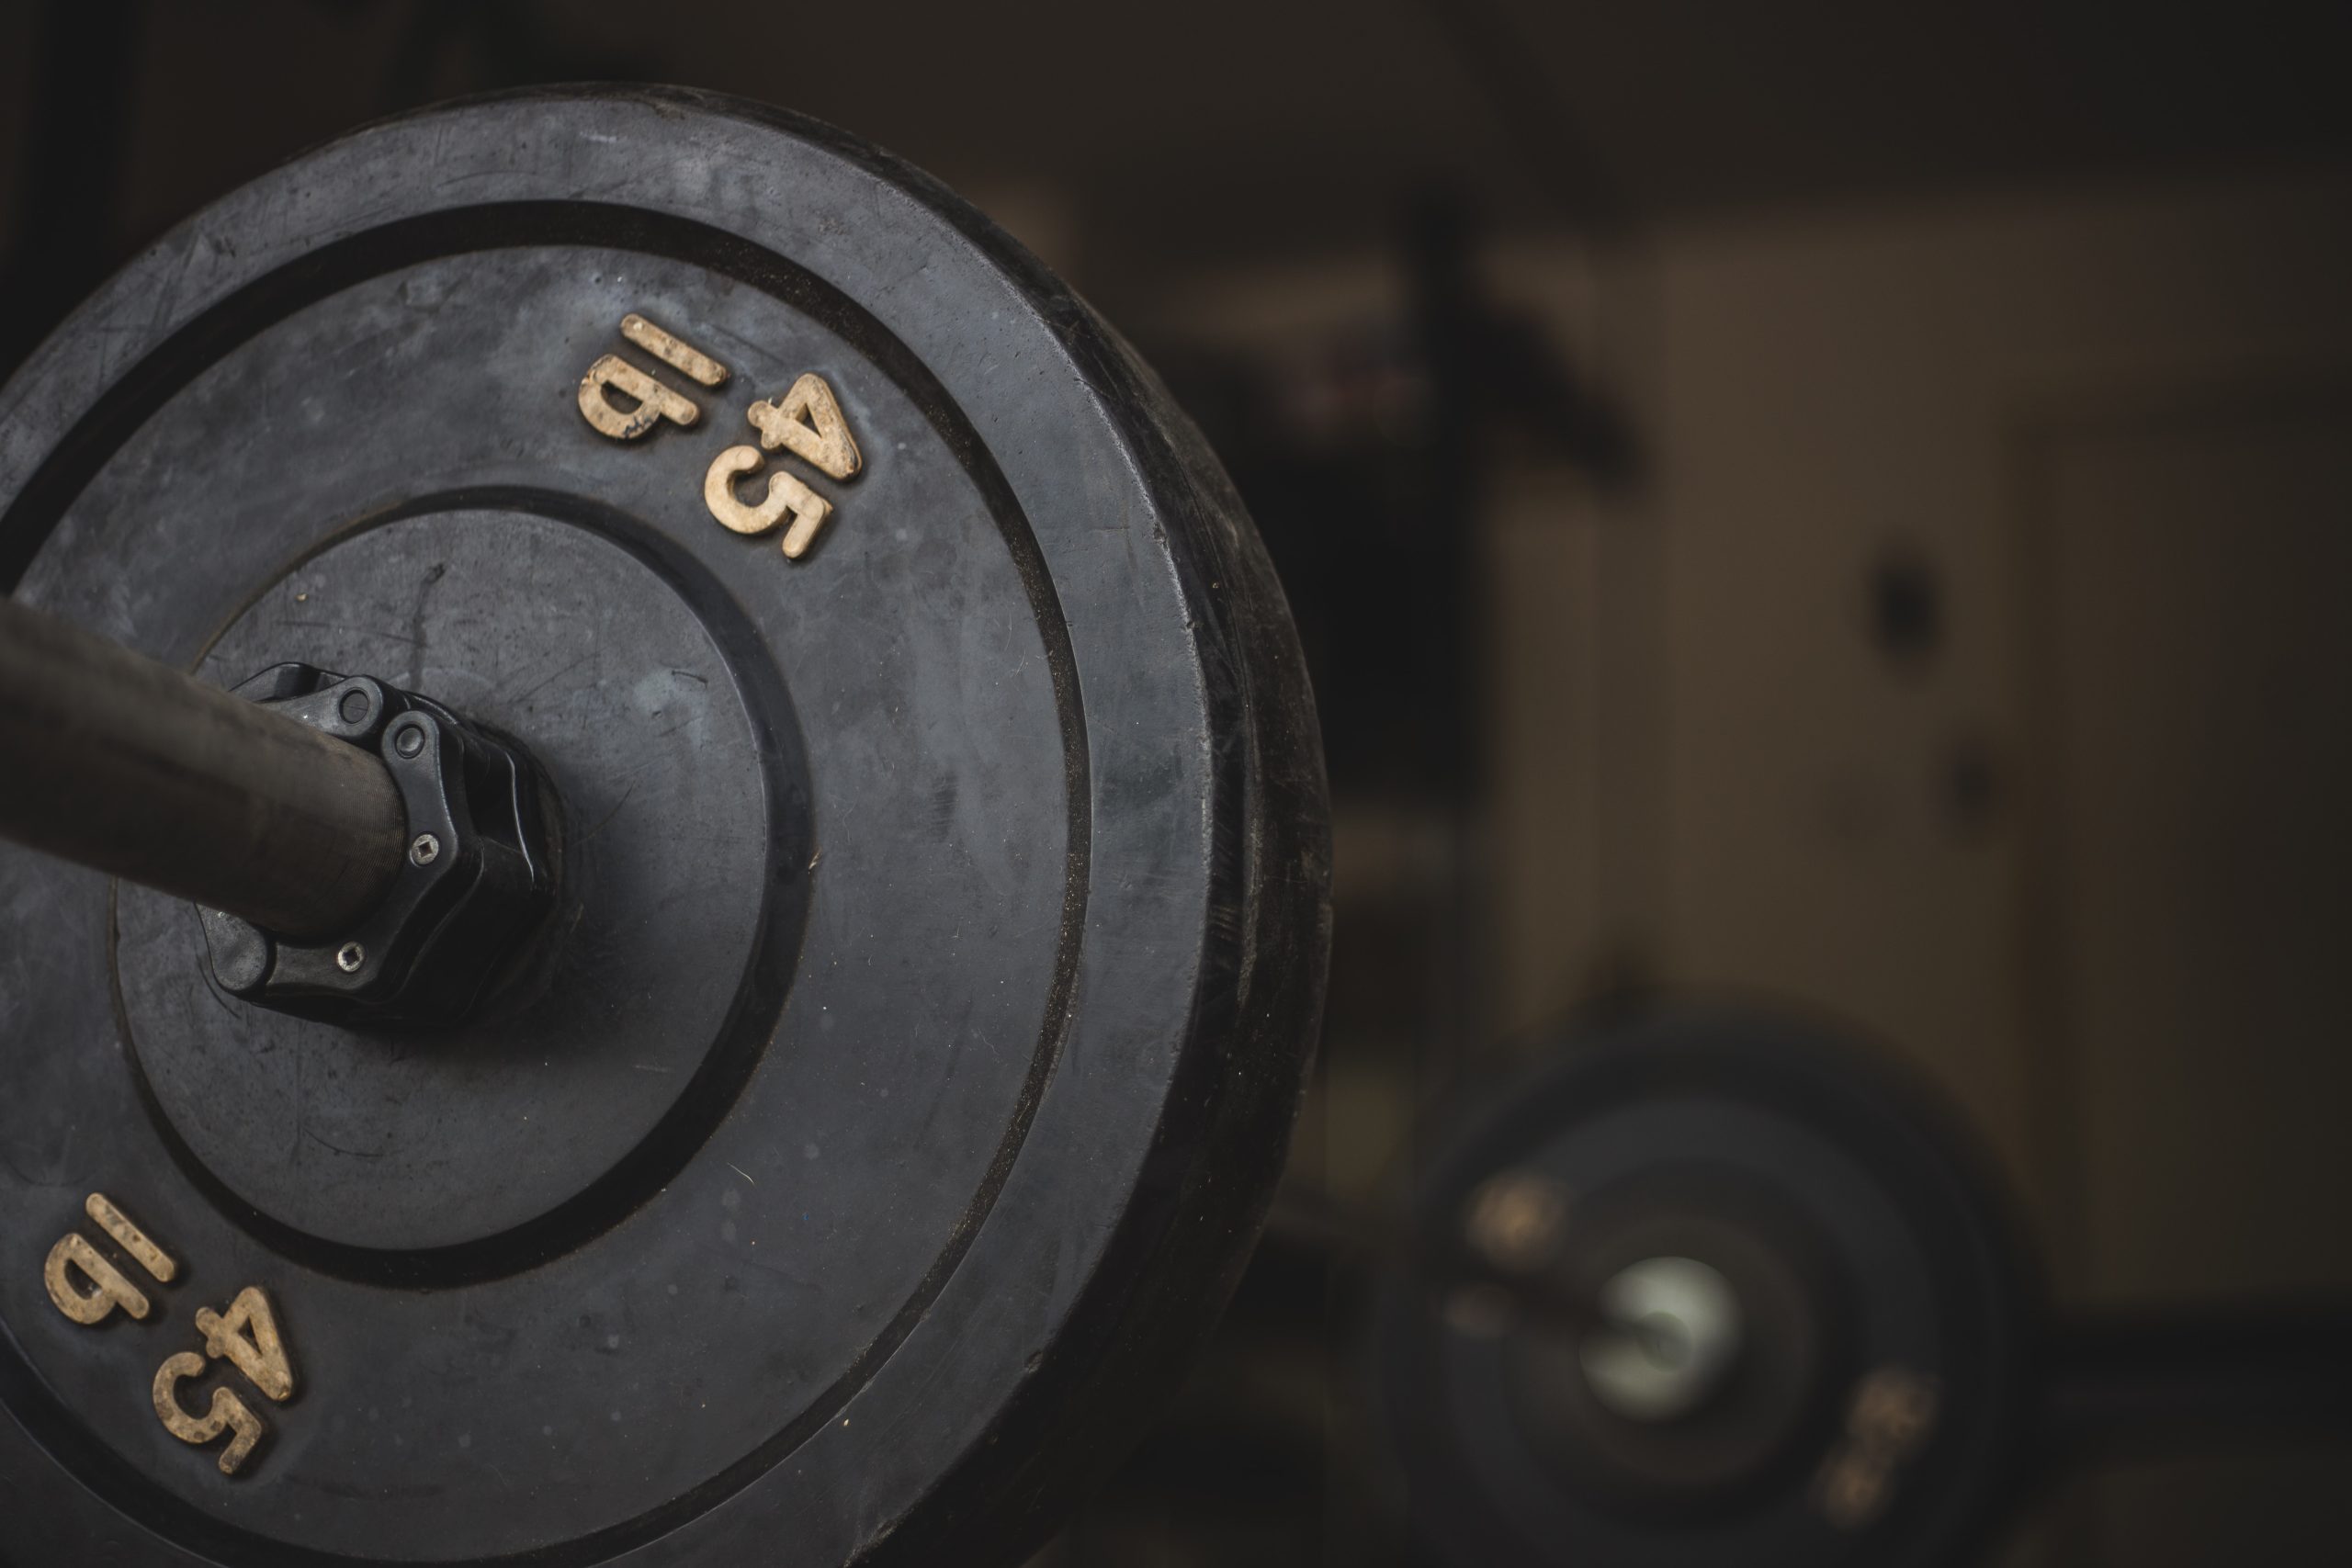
(944, 871)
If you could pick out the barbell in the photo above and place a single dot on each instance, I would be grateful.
(672, 875)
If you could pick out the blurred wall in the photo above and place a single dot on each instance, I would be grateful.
(2080, 849)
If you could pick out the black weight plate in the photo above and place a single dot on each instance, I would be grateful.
(1871, 1251)
(944, 910)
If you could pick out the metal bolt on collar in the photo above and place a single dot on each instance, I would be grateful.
(349, 957)
(409, 740)
(426, 851)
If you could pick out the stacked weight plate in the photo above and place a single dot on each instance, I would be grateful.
(943, 893)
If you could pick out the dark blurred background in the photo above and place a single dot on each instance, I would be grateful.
(1835, 503)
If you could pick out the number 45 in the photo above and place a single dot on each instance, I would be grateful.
(247, 1338)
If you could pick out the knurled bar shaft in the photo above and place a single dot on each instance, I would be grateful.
(125, 764)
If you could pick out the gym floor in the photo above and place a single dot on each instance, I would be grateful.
(1839, 509)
